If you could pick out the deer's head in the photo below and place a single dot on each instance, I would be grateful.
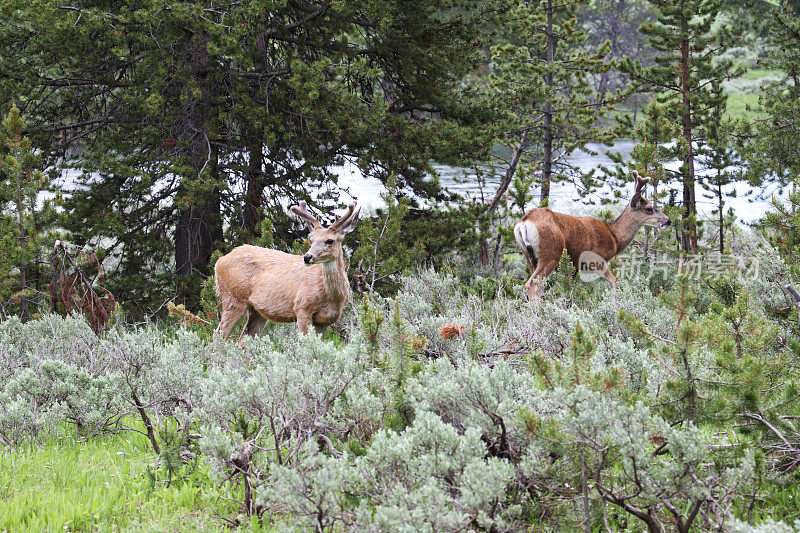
(326, 243)
(642, 211)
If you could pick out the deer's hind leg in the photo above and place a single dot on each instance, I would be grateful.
(527, 237)
(542, 247)
(542, 272)
(231, 313)
(255, 322)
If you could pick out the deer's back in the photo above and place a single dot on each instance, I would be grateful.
(558, 231)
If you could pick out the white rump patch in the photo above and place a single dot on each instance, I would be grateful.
(527, 236)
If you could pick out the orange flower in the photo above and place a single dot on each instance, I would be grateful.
(448, 331)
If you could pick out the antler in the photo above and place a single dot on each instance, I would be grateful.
(639, 184)
(302, 211)
(344, 218)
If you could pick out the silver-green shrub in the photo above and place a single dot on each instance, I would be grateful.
(262, 409)
(768, 526)
(55, 372)
(473, 396)
(158, 373)
(637, 461)
(442, 408)
(430, 477)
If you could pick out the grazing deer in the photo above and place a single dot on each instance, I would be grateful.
(274, 285)
(543, 235)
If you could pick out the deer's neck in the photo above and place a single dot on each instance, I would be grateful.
(334, 277)
(624, 228)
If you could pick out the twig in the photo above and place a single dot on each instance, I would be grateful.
(796, 297)
(375, 253)
(329, 444)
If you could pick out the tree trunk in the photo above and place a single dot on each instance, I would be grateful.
(255, 188)
(501, 190)
(23, 282)
(587, 523)
(721, 218)
(497, 249)
(691, 391)
(198, 227)
(199, 221)
(689, 204)
(510, 171)
(148, 424)
(547, 164)
(483, 252)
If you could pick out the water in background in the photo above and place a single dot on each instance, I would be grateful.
(749, 205)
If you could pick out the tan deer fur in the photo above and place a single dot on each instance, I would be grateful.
(543, 235)
(273, 285)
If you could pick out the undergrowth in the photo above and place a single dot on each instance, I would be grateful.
(454, 404)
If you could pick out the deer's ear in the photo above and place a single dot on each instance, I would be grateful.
(636, 201)
(351, 223)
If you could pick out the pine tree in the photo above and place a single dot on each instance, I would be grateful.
(650, 154)
(784, 222)
(540, 78)
(687, 78)
(649, 157)
(684, 401)
(25, 220)
(771, 145)
(382, 254)
(720, 158)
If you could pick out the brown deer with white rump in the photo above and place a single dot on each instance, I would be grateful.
(543, 235)
(274, 285)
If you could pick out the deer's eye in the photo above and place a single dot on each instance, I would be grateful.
(649, 210)
(329, 241)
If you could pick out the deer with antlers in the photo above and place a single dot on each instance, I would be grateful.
(543, 235)
(273, 285)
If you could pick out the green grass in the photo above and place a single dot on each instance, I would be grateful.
(103, 484)
(738, 103)
(747, 93)
(758, 73)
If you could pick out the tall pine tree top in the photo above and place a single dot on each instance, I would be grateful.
(686, 78)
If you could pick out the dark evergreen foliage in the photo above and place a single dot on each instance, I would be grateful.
(195, 120)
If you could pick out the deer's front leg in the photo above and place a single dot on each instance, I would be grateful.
(303, 321)
(321, 329)
(612, 280)
(231, 313)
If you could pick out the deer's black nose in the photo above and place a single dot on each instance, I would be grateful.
(307, 258)
(668, 223)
